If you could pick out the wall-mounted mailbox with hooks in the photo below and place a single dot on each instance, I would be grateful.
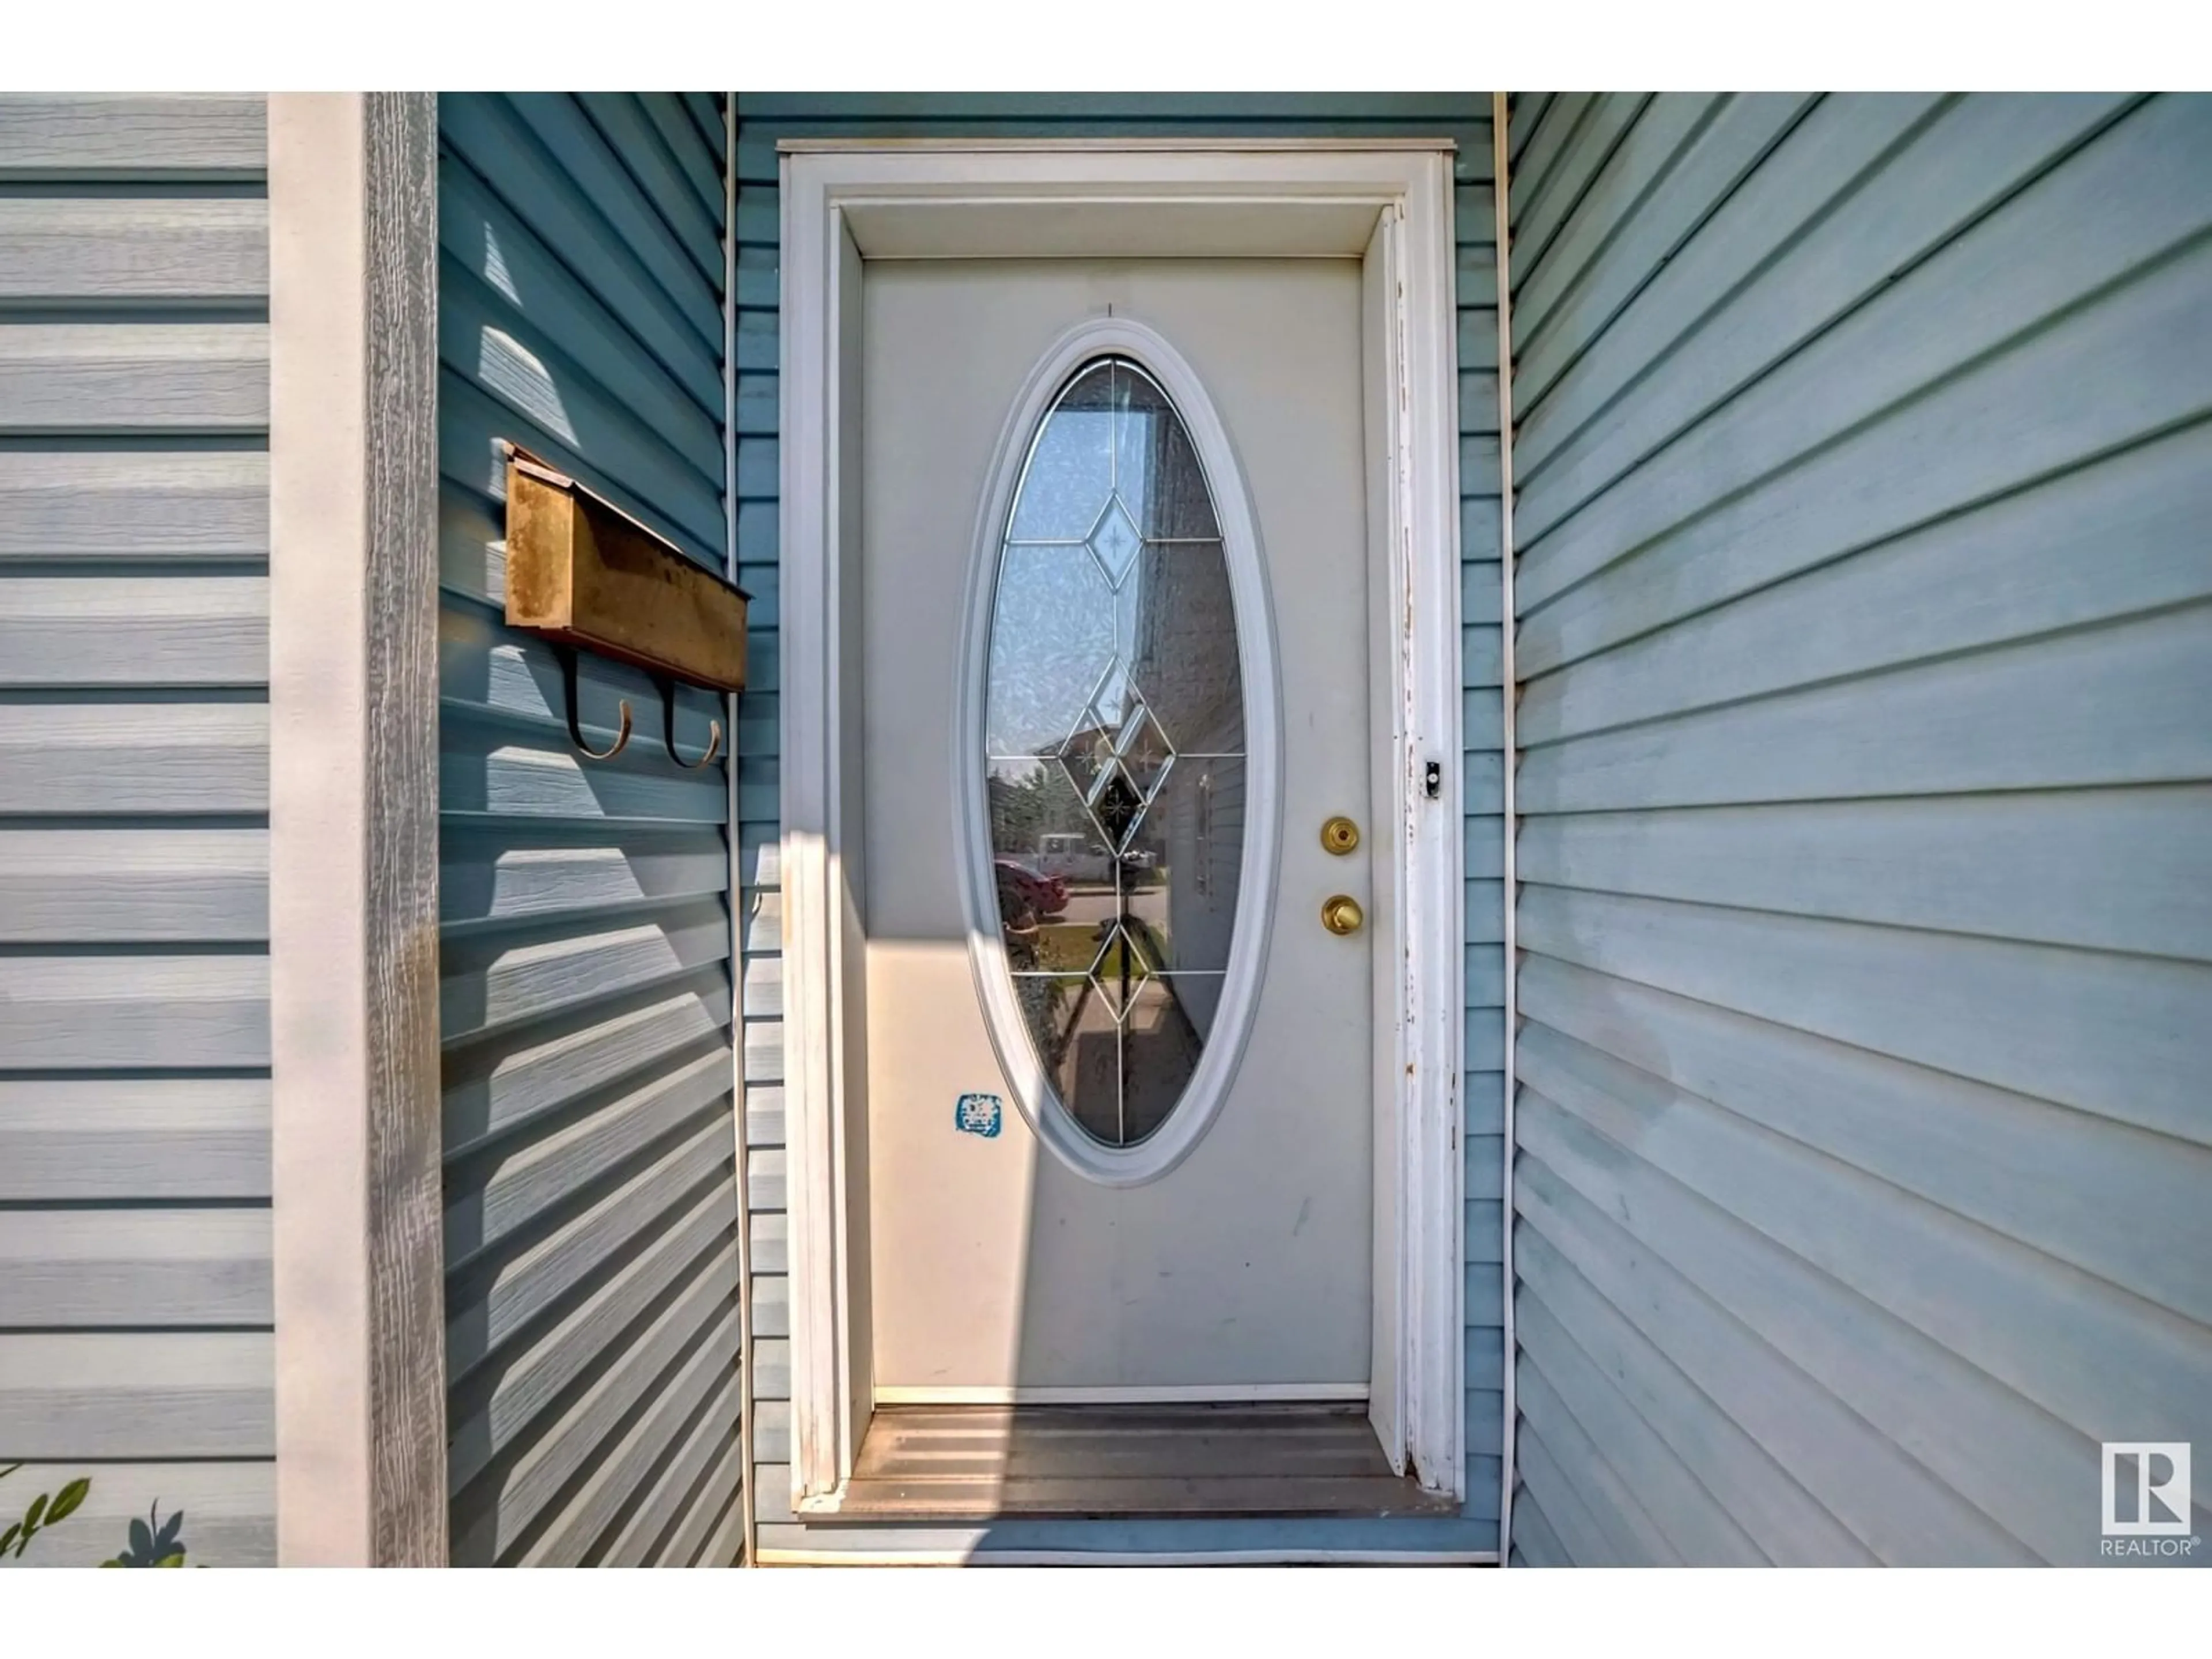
(586, 576)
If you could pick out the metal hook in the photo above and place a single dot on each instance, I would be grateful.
(668, 730)
(575, 726)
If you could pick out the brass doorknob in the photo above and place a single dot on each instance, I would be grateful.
(1339, 835)
(1340, 914)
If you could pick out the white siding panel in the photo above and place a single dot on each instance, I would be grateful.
(137, 1266)
(150, 758)
(75, 1139)
(169, 883)
(134, 630)
(112, 135)
(229, 1510)
(79, 1013)
(134, 377)
(134, 733)
(116, 249)
(131, 1395)
(138, 504)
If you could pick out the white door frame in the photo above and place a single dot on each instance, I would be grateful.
(1386, 202)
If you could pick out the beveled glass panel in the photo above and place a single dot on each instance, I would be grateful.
(1114, 737)
(1114, 541)
(1051, 640)
(1111, 698)
(1069, 474)
(1144, 751)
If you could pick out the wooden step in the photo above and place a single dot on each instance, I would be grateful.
(982, 1463)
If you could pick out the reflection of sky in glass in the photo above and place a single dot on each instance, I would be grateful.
(1071, 469)
(1074, 575)
(1051, 634)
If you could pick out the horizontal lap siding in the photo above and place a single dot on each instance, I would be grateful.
(135, 1309)
(590, 1200)
(1864, 1169)
(763, 121)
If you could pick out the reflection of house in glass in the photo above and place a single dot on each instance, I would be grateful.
(1114, 664)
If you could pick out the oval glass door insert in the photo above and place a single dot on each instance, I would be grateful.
(1114, 753)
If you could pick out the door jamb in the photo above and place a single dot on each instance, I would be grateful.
(842, 203)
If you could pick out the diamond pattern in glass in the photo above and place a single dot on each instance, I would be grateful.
(1118, 764)
(1114, 542)
(1113, 489)
(1143, 751)
(1088, 755)
(1119, 971)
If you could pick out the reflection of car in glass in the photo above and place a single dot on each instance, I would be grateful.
(1074, 858)
(1023, 889)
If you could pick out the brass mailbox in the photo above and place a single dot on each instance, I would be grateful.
(586, 575)
(581, 572)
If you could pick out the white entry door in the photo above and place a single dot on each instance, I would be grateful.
(1114, 684)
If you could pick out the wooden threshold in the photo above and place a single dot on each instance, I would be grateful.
(988, 1462)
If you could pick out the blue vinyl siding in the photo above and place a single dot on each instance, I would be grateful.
(763, 121)
(135, 1309)
(591, 1198)
(1864, 1166)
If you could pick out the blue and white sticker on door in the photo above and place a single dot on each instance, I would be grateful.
(979, 1115)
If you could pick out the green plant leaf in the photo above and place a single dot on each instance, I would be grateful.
(176, 1560)
(112, 1561)
(8, 1537)
(9, 1470)
(67, 1500)
(34, 1514)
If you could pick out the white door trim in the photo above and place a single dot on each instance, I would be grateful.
(1390, 207)
(1035, 1093)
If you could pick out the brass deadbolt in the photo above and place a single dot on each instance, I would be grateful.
(1340, 914)
(1339, 835)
